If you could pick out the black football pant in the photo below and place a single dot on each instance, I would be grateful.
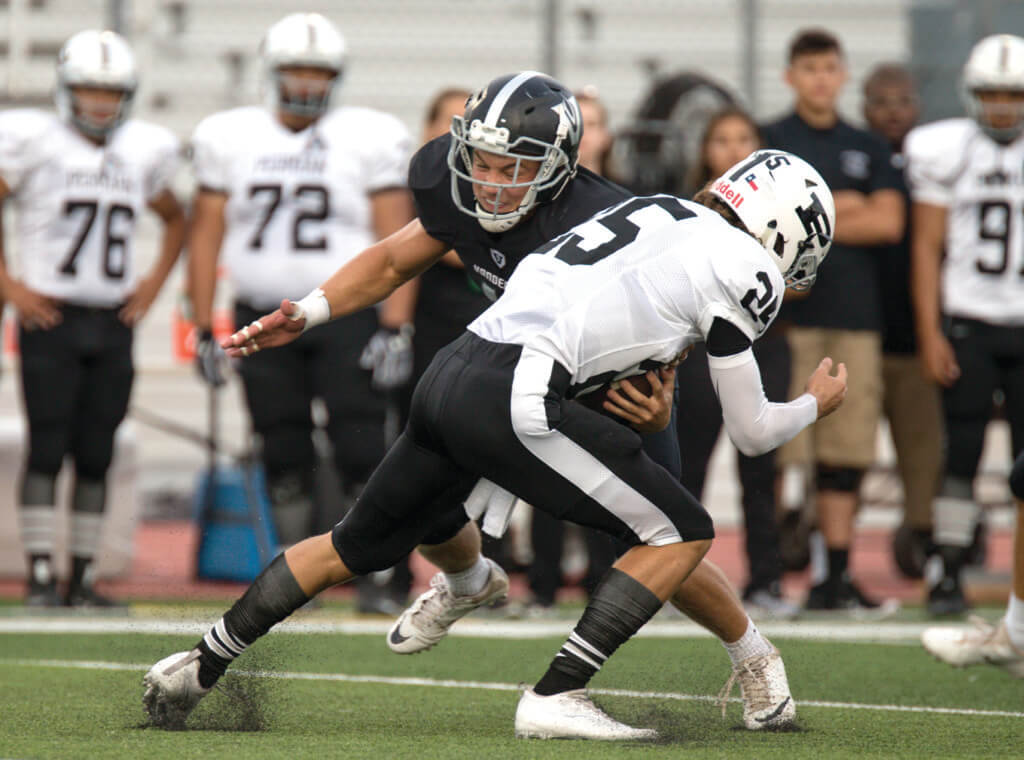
(496, 411)
(76, 381)
(990, 357)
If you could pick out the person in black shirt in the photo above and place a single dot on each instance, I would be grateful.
(911, 403)
(842, 314)
(494, 205)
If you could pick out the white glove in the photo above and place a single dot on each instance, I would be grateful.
(494, 503)
(389, 356)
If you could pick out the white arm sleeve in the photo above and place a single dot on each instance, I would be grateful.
(755, 424)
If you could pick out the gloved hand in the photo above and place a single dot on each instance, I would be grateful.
(389, 356)
(210, 359)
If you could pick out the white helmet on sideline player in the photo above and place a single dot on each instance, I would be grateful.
(995, 65)
(783, 202)
(100, 60)
(306, 40)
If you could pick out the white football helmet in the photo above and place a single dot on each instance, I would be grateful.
(996, 64)
(98, 59)
(784, 203)
(301, 39)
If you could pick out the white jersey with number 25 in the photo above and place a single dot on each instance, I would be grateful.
(634, 286)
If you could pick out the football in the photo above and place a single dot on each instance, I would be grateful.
(595, 399)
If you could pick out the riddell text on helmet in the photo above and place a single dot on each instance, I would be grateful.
(734, 197)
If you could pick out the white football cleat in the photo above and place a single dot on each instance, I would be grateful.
(427, 621)
(173, 690)
(981, 643)
(571, 715)
(767, 702)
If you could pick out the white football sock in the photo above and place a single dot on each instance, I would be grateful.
(750, 644)
(1015, 621)
(471, 581)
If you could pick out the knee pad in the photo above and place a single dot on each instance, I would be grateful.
(843, 479)
(1017, 478)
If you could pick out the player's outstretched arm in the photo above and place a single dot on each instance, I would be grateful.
(366, 279)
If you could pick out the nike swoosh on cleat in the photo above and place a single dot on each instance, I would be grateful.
(397, 637)
(776, 713)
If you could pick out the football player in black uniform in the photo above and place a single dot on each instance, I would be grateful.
(503, 183)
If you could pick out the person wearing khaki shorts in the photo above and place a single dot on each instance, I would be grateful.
(842, 314)
(847, 438)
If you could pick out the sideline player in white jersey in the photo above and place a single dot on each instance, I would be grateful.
(627, 291)
(288, 192)
(79, 180)
(967, 186)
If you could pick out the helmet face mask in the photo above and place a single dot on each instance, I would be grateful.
(528, 119)
(303, 57)
(90, 65)
(784, 203)
(992, 86)
(304, 91)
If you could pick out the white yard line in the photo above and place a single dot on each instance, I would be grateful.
(495, 686)
(853, 632)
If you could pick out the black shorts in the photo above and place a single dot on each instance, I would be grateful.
(498, 411)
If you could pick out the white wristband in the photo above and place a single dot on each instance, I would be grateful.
(314, 308)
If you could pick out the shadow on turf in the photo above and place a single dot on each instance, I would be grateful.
(237, 703)
(675, 726)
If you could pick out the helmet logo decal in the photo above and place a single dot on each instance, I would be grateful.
(569, 119)
(750, 181)
(813, 217)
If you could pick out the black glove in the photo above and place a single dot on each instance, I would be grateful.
(389, 356)
(210, 359)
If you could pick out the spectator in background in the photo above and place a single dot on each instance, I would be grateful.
(548, 533)
(911, 403)
(965, 177)
(730, 135)
(841, 317)
(79, 180)
(288, 192)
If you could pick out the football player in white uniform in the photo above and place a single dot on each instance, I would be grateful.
(967, 185)
(79, 180)
(625, 292)
(967, 181)
(288, 192)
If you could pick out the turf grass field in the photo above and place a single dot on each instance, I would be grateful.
(325, 694)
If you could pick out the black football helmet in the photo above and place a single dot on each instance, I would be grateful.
(527, 116)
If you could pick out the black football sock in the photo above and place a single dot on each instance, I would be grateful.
(619, 608)
(272, 597)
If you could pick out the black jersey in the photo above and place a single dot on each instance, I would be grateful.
(846, 294)
(491, 258)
